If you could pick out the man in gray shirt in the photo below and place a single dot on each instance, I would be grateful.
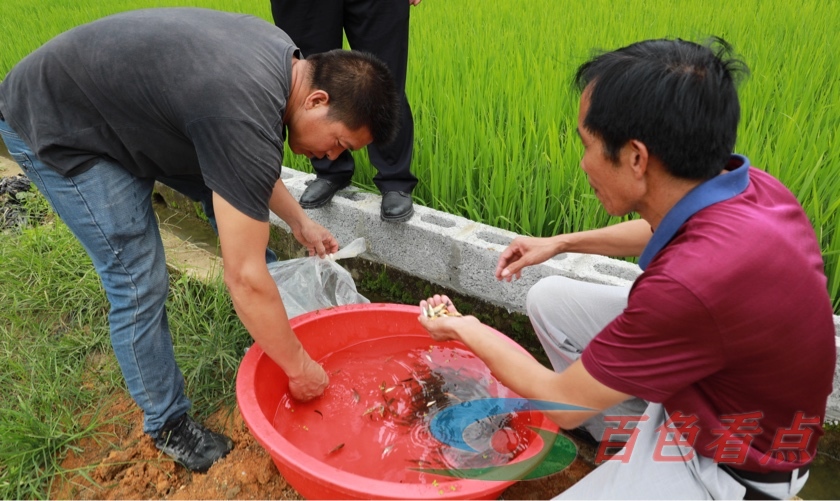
(201, 100)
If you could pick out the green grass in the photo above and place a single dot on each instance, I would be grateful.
(495, 114)
(53, 319)
(56, 363)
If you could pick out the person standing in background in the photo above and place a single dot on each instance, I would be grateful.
(379, 27)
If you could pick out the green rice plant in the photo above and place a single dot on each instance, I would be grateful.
(490, 89)
(495, 141)
(495, 112)
(27, 24)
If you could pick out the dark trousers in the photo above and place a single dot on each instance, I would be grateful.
(379, 27)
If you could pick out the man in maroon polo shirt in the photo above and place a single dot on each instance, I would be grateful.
(728, 332)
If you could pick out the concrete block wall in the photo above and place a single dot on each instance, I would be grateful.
(461, 254)
(445, 249)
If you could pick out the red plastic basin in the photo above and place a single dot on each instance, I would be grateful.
(261, 384)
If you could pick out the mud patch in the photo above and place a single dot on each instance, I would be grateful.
(14, 190)
(123, 463)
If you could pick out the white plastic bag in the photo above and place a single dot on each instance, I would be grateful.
(311, 283)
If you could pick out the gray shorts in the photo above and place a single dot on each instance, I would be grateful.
(693, 477)
(566, 315)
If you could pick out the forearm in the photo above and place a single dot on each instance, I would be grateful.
(286, 207)
(260, 308)
(619, 240)
(527, 377)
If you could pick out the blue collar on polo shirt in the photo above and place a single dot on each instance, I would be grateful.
(716, 189)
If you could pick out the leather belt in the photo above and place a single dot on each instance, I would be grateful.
(771, 477)
(1, 116)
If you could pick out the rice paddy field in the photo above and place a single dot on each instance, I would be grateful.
(495, 112)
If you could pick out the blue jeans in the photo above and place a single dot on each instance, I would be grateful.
(110, 211)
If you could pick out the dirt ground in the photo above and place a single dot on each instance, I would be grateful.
(7, 166)
(124, 464)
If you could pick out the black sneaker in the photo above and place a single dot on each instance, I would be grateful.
(191, 444)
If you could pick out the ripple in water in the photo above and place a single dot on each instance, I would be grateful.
(373, 420)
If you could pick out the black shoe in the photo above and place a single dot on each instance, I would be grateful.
(191, 444)
(396, 206)
(320, 192)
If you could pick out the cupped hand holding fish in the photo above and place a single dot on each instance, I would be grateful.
(439, 316)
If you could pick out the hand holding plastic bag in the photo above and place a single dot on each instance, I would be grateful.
(311, 283)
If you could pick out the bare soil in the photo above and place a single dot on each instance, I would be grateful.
(8, 167)
(123, 463)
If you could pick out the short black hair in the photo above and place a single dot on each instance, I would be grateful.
(679, 98)
(361, 89)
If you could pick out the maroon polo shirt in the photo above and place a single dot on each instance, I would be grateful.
(730, 320)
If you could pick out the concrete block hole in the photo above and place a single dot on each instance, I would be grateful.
(438, 221)
(494, 238)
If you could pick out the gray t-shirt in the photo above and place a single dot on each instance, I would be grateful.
(177, 92)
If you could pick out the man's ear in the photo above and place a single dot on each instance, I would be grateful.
(639, 156)
(316, 98)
